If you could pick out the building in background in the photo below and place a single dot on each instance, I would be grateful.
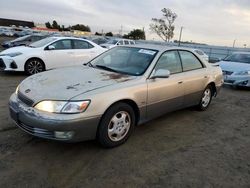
(17, 23)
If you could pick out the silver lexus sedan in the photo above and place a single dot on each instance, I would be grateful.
(105, 98)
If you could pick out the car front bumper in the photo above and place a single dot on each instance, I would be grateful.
(62, 127)
(235, 80)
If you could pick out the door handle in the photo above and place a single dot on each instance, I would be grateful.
(180, 82)
(205, 76)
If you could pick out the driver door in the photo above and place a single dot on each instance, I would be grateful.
(61, 56)
(166, 94)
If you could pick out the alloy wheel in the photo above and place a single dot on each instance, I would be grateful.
(119, 126)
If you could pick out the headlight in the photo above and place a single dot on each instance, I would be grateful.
(17, 88)
(63, 106)
(12, 54)
(243, 73)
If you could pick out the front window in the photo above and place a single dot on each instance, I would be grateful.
(62, 44)
(132, 61)
(42, 42)
(237, 57)
(170, 61)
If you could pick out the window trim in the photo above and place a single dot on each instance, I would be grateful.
(203, 66)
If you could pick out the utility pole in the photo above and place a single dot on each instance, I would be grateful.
(180, 36)
(234, 43)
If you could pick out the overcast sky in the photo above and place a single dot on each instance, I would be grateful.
(216, 22)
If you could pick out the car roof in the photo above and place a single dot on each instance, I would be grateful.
(159, 48)
(66, 38)
(241, 53)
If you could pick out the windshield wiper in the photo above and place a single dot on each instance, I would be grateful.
(88, 64)
(106, 68)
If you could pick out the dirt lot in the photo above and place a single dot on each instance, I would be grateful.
(182, 149)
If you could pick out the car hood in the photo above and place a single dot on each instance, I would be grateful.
(234, 66)
(21, 49)
(66, 83)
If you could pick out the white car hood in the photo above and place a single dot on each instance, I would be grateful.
(21, 49)
(234, 66)
(66, 83)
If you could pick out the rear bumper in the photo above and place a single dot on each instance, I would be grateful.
(62, 127)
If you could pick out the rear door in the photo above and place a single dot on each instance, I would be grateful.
(166, 94)
(84, 51)
(196, 77)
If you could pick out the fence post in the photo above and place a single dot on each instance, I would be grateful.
(210, 52)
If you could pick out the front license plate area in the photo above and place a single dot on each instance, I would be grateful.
(14, 114)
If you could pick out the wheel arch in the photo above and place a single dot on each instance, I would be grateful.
(34, 58)
(131, 103)
(214, 89)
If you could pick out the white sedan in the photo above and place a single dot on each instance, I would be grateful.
(49, 53)
(201, 54)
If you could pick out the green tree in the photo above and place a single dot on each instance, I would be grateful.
(98, 34)
(48, 25)
(136, 34)
(109, 34)
(81, 27)
(55, 25)
(164, 27)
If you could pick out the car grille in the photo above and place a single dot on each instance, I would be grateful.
(25, 99)
(36, 131)
(2, 64)
(229, 81)
(227, 72)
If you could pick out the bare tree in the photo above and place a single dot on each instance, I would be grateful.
(164, 27)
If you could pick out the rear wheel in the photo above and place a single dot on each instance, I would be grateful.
(116, 125)
(34, 66)
(206, 98)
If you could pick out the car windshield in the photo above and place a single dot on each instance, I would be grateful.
(21, 38)
(112, 42)
(42, 42)
(237, 57)
(125, 60)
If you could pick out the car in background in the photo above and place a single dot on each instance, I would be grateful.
(49, 53)
(236, 69)
(106, 98)
(23, 41)
(201, 54)
(99, 40)
(115, 42)
(213, 59)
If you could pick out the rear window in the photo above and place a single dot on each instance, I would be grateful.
(189, 61)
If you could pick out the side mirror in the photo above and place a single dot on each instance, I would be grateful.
(51, 47)
(160, 73)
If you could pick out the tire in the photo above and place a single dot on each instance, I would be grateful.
(116, 125)
(206, 98)
(34, 66)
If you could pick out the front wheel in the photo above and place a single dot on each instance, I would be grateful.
(34, 66)
(116, 125)
(206, 98)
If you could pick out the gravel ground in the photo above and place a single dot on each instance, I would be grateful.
(181, 149)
